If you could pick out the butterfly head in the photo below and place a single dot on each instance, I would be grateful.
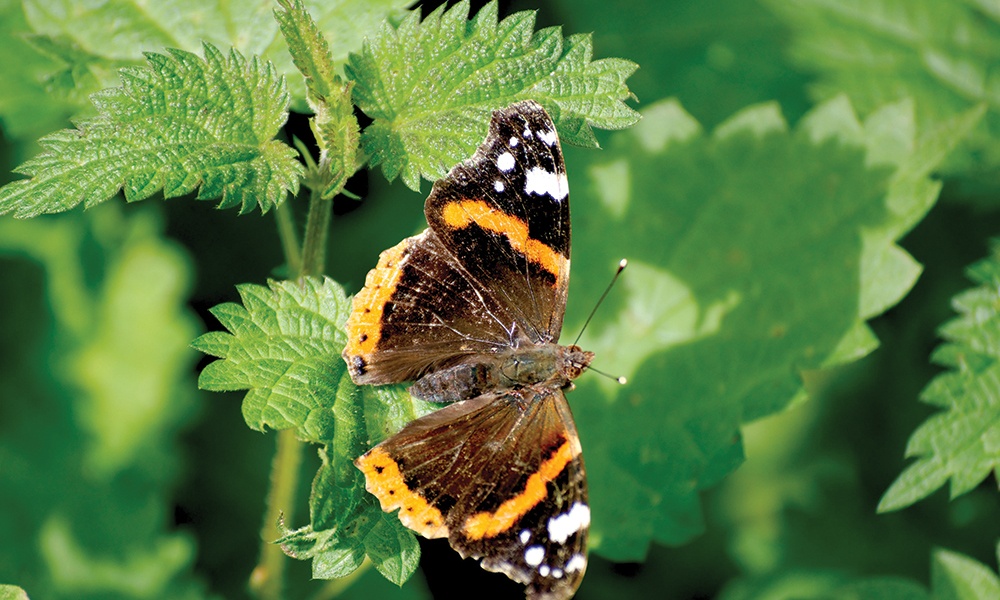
(573, 361)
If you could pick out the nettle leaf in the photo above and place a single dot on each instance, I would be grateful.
(346, 522)
(103, 35)
(941, 53)
(962, 443)
(284, 346)
(756, 252)
(183, 123)
(431, 86)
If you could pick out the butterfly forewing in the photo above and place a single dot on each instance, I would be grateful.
(506, 212)
(420, 311)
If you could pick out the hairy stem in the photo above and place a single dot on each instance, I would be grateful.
(267, 581)
(317, 229)
(288, 236)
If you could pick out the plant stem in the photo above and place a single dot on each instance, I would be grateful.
(289, 238)
(267, 580)
(317, 228)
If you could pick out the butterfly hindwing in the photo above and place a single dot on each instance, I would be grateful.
(455, 473)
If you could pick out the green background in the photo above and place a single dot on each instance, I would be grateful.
(120, 479)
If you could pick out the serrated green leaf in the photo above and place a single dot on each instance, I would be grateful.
(346, 522)
(182, 124)
(309, 49)
(751, 250)
(958, 577)
(939, 52)
(963, 442)
(102, 36)
(283, 346)
(393, 549)
(431, 86)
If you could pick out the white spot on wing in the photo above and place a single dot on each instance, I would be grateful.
(525, 536)
(498, 185)
(513, 142)
(544, 570)
(534, 555)
(539, 181)
(557, 573)
(505, 162)
(564, 525)
(577, 562)
(527, 132)
(549, 137)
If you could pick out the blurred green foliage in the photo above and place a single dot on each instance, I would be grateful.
(783, 188)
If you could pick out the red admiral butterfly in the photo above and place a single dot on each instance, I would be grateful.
(471, 310)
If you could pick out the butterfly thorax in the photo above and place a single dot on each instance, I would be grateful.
(547, 365)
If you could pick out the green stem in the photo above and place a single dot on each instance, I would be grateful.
(317, 228)
(289, 238)
(267, 581)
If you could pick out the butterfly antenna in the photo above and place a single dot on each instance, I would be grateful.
(621, 267)
(620, 379)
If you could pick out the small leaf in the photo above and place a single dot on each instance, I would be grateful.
(283, 346)
(309, 49)
(958, 577)
(334, 124)
(180, 124)
(963, 442)
(431, 86)
(393, 549)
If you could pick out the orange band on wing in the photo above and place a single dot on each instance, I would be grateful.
(385, 481)
(484, 524)
(364, 326)
(460, 214)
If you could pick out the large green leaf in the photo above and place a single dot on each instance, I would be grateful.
(180, 124)
(757, 252)
(941, 53)
(430, 86)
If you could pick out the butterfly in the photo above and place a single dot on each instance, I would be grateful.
(471, 310)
